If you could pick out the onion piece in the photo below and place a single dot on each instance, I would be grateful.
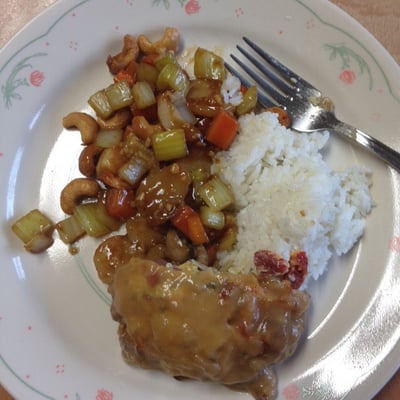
(39, 243)
(108, 138)
(173, 111)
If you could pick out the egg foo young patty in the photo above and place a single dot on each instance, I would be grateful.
(207, 325)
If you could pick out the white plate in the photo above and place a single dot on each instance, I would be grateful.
(57, 339)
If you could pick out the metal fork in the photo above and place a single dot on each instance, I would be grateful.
(308, 108)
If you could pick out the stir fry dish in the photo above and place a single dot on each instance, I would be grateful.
(149, 193)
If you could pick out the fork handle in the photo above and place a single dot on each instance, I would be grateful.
(384, 152)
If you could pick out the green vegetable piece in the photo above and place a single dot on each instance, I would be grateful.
(147, 73)
(164, 59)
(208, 65)
(69, 229)
(87, 216)
(249, 101)
(100, 104)
(32, 224)
(143, 95)
(169, 145)
(216, 194)
(119, 95)
(173, 77)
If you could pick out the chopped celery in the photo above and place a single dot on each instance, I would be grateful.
(228, 239)
(88, 218)
(108, 138)
(143, 95)
(216, 194)
(169, 145)
(31, 224)
(100, 104)
(212, 218)
(249, 101)
(199, 175)
(146, 73)
(173, 77)
(113, 224)
(208, 65)
(119, 95)
(69, 229)
(164, 59)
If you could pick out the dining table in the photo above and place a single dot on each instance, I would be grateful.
(381, 18)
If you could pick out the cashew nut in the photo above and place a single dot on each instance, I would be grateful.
(75, 190)
(169, 41)
(86, 124)
(130, 52)
(143, 129)
(118, 121)
(88, 159)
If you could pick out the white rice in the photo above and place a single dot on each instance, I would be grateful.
(288, 198)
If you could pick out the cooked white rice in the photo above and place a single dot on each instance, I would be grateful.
(287, 196)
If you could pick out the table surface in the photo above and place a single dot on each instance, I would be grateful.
(381, 18)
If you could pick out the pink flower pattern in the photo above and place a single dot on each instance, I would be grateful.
(103, 394)
(36, 78)
(192, 7)
(347, 76)
(291, 392)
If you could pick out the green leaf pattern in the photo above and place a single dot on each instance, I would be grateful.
(347, 56)
(9, 89)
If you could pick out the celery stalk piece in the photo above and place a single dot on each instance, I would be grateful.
(31, 224)
(208, 65)
(69, 229)
(143, 95)
(35, 230)
(173, 77)
(228, 239)
(167, 58)
(216, 194)
(249, 101)
(119, 95)
(113, 224)
(147, 73)
(100, 104)
(169, 145)
(87, 215)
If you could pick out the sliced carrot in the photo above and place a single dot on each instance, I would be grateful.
(197, 233)
(119, 203)
(222, 130)
(180, 220)
(188, 221)
(127, 74)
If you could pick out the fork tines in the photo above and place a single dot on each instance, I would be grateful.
(282, 83)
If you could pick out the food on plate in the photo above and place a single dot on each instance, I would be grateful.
(205, 324)
(197, 193)
(287, 197)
